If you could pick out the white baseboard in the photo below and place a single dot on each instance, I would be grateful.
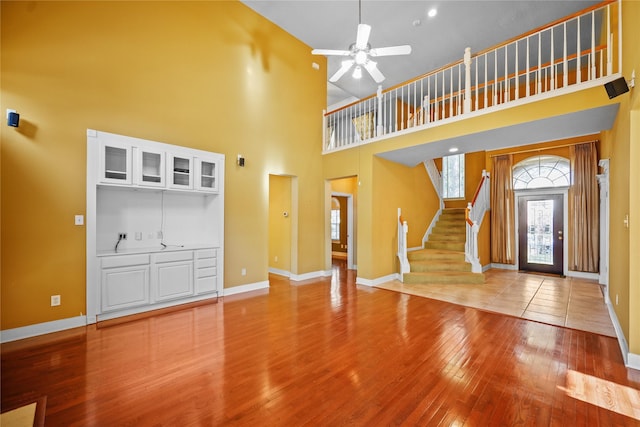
(15, 334)
(504, 266)
(631, 360)
(311, 275)
(279, 272)
(246, 288)
(378, 281)
(300, 277)
(583, 275)
(486, 267)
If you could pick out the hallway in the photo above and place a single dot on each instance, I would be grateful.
(569, 302)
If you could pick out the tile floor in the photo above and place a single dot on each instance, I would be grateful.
(571, 302)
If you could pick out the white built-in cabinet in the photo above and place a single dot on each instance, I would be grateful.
(169, 201)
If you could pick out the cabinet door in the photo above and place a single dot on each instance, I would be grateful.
(115, 163)
(150, 171)
(125, 287)
(174, 280)
(206, 175)
(180, 172)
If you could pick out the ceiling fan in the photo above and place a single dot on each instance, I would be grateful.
(361, 53)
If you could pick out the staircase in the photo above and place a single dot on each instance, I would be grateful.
(442, 260)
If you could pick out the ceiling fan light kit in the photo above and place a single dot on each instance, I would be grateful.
(361, 53)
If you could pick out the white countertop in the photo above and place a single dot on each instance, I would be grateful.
(154, 249)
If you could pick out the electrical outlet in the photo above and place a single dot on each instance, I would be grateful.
(616, 299)
(275, 259)
(122, 236)
(243, 272)
(55, 300)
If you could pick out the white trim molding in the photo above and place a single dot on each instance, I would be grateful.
(15, 334)
(378, 281)
(503, 266)
(631, 360)
(246, 288)
(311, 275)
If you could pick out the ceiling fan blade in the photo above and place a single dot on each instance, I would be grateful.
(330, 52)
(391, 50)
(345, 67)
(372, 68)
(362, 39)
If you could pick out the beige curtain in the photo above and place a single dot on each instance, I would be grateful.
(584, 209)
(503, 248)
(364, 125)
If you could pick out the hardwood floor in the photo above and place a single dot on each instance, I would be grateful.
(571, 302)
(324, 352)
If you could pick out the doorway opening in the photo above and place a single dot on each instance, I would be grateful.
(342, 219)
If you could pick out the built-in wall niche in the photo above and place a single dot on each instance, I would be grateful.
(153, 218)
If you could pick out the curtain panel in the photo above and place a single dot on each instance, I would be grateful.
(502, 211)
(584, 209)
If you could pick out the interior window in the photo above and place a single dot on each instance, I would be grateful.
(453, 176)
(541, 172)
(335, 219)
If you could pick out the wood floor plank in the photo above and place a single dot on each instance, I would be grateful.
(325, 352)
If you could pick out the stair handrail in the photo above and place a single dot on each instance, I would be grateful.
(436, 180)
(474, 214)
(403, 230)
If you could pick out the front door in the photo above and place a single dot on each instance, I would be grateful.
(541, 234)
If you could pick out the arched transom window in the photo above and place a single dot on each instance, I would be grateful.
(541, 172)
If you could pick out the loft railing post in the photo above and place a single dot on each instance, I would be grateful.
(379, 127)
(467, 81)
(324, 130)
(426, 110)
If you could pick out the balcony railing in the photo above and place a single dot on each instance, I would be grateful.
(571, 54)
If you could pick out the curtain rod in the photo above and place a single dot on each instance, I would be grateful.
(543, 149)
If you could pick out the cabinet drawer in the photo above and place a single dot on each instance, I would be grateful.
(205, 272)
(206, 253)
(206, 263)
(205, 285)
(174, 256)
(125, 260)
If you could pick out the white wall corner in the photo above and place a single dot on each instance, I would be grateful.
(15, 334)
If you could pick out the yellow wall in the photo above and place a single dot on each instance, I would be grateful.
(208, 75)
(279, 224)
(621, 144)
(397, 186)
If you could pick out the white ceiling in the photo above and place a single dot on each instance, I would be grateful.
(478, 24)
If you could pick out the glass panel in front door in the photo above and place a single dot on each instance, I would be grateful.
(540, 232)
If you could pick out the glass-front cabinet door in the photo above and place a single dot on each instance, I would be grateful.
(206, 175)
(150, 168)
(115, 163)
(181, 172)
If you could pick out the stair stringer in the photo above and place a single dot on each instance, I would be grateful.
(436, 180)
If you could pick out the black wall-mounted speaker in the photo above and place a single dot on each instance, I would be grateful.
(13, 119)
(616, 87)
